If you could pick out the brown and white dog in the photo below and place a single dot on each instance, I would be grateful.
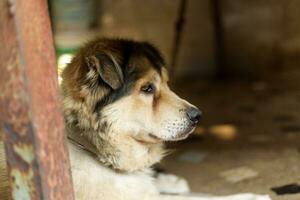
(118, 106)
(119, 111)
(116, 97)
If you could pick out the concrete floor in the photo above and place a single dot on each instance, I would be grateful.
(265, 117)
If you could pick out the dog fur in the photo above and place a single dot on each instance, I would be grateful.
(109, 111)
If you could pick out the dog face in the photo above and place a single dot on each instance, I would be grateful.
(116, 95)
(151, 112)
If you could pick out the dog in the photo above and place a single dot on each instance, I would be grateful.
(118, 107)
(119, 111)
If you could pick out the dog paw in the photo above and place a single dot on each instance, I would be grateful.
(171, 184)
(246, 196)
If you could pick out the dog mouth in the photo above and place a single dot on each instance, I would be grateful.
(182, 135)
(151, 138)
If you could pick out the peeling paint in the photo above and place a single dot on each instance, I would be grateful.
(22, 184)
(25, 152)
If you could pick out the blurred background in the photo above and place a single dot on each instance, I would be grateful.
(237, 60)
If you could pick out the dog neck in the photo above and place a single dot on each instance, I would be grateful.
(131, 155)
(128, 156)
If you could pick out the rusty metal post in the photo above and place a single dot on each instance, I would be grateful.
(30, 118)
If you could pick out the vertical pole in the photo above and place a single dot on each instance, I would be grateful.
(219, 39)
(31, 122)
(179, 26)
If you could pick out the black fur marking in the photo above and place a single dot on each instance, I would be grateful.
(154, 56)
(115, 95)
(129, 79)
(126, 57)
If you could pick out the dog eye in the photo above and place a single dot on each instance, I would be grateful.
(148, 89)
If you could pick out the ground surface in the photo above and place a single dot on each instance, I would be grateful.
(264, 136)
(261, 134)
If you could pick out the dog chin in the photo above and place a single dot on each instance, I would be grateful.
(154, 139)
(179, 136)
(182, 135)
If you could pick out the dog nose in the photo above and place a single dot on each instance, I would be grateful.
(194, 114)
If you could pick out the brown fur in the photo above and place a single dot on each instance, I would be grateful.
(117, 104)
(83, 87)
(106, 77)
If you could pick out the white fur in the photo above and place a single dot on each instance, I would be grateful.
(93, 181)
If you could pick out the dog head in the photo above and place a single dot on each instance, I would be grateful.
(116, 95)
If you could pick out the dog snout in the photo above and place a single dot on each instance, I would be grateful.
(194, 114)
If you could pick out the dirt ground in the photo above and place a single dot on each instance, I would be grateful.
(260, 132)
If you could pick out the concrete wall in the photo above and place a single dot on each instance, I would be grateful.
(197, 53)
(259, 35)
(141, 20)
(155, 21)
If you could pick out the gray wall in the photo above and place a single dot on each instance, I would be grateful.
(154, 21)
(259, 35)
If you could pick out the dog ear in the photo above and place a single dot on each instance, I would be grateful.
(108, 69)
